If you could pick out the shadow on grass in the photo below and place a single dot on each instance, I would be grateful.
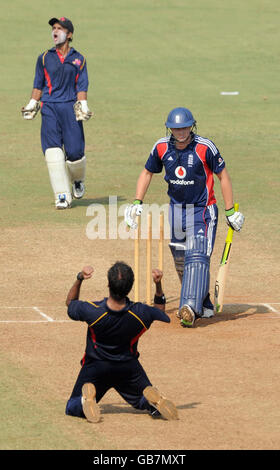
(117, 408)
(85, 202)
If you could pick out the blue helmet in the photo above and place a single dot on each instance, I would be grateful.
(179, 117)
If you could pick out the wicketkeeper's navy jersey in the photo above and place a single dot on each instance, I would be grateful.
(113, 335)
(60, 79)
(188, 172)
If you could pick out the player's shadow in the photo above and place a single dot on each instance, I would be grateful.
(118, 408)
(233, 312)
(85, 202)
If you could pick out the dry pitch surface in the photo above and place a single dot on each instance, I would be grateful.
(222, 374)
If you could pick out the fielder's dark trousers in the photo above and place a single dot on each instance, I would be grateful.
(128, 378)
(60, 129)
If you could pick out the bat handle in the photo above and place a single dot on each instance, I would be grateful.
(236, 206)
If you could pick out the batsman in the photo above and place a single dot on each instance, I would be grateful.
(60, 91)
(190, 162)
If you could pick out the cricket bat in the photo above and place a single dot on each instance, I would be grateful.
(223, 270)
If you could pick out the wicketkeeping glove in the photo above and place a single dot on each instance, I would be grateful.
(234, 219)
(131, 212)
(82, 111)
(30, 111)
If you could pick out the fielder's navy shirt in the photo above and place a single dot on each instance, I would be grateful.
(113, 335)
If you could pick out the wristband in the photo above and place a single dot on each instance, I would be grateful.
(80, 276)
(137, 201)
(159, 299)
(230, 212)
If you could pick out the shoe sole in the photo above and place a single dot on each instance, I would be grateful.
(63, 208)
(187, 316)
(166, 407)
(90, 408)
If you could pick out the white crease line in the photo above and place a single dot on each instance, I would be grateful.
(1, 306)
(271, 308)
(42, 314)
(35, 321)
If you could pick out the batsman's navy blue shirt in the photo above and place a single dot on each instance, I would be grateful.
(188, 172)
(60, 79)
(113, 335)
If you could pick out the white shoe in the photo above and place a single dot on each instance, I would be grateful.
(78, 189)
(62, 203)
(207, 313)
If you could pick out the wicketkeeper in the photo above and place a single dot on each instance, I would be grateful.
(60, 91)
(190, 162)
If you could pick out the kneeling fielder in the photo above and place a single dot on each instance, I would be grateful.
(61, 84)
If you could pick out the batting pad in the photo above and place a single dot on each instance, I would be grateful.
(178, 252)
(77, 169)
(196, 278)
(55, 160)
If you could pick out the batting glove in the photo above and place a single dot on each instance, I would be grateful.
(82, 111)
(235, 219)
(131, 212)
(30, 111)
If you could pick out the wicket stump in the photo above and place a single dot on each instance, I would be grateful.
(148, 257)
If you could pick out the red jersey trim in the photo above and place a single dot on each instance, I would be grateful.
(48, 79)
(201, 153)
(61, 58)
(135, 339)
(162, 149)
(93, 337)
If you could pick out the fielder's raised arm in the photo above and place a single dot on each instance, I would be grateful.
(74, 292)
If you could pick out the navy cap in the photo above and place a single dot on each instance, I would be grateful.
(64, 22)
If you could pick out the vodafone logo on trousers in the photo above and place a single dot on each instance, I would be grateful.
(180, 172)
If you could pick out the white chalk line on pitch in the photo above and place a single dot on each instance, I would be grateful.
(42, 314)
(48, 319)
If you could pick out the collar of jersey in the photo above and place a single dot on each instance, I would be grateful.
(72, 50)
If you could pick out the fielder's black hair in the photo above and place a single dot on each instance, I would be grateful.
(120, 279)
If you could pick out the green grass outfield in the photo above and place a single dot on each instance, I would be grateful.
(144, 58)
